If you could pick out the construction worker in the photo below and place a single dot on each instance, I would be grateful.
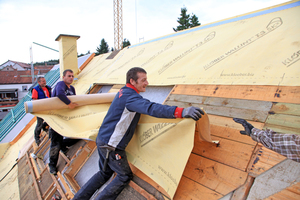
(117, 130)
(287, 145)
(61, 90)
(41, 91)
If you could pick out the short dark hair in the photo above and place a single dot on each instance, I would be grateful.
(67, 70)
(39, 78)
(132, 73)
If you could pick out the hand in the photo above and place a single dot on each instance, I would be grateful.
(248, 127)
(72, 105)
(192, 112)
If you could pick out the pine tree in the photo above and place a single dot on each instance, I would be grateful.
(194, 21)
(103, 48)
(184, 20)
(126, 43)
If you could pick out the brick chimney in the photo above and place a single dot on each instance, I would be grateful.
(68, 53)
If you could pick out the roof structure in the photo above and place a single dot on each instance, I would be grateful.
(16, 77)
(12, 63)
(246, 66)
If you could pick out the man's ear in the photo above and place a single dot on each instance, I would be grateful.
(132, 81)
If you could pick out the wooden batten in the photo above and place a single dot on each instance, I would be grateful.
(286, 94)
(69, 193)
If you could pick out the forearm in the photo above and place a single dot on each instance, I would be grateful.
(64, 99)
(285, 144)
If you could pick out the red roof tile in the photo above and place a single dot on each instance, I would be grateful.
(16, 77)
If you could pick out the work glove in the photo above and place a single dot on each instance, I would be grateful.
(248, 127)
(192, 112)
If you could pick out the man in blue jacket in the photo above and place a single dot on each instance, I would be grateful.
(117, 130)
(61, 90)
(41, 91)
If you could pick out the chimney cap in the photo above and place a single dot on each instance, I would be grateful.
(61, 35)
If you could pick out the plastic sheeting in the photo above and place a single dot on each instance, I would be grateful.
(259, 48)
(155, 140)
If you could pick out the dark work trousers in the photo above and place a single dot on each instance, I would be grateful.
(115, 187)
(38, 128)
(58, 143)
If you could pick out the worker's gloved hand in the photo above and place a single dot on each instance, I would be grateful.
(248, 127)
(192, 112)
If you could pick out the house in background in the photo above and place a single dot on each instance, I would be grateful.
(13, 65)
(15, 81)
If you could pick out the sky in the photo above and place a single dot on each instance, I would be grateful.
(41, 21)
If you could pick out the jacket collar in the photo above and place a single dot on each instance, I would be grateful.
(132, 87)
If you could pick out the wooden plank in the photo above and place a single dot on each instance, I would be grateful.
(242, 192)
(85, 63)
(68, 193)
(295, 188)
(246, 109)
(228, 152)
(44, 144)
(228, 122)
(35, 168)
(282, 129)
(95, 89)
(58, 186)
(168, 95)
(213, 175)
(262, 160)
(286, 108)
(231, 134)
(72, 182)
(284, 120)
(189, 189)
(67, 160)
(80, 159)
(287, 94)
(225, 102)
(283, 123)
(253, 115)
(50, 193)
